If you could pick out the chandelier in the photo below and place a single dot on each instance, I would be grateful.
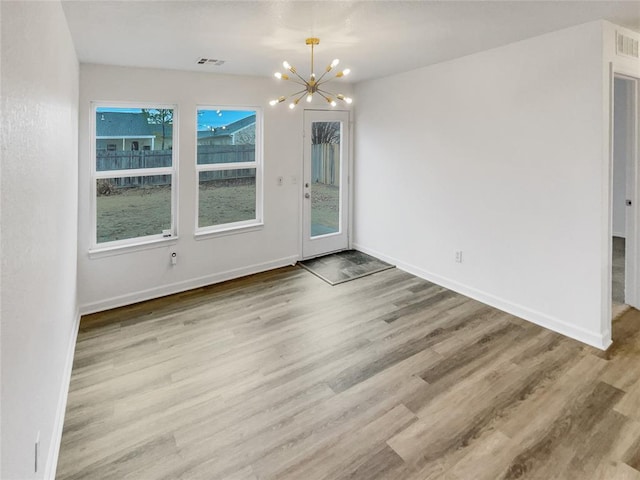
(313, 84)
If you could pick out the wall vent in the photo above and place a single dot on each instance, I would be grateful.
(626, 46)
(209, 61)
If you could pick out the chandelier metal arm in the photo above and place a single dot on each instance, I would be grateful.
(326, 92)
(301, 93)
(322, 94)
(321, 77)
(337, 96)
(326, 81)
(298, 75)
(292, 80)
(326, 70)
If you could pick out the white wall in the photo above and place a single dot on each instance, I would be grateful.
(622, 151)
(499, 155)
(120, 279)
(39, 231)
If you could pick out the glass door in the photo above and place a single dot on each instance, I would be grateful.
(325, 185)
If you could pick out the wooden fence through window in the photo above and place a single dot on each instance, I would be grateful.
(325, 163)
(207, 154)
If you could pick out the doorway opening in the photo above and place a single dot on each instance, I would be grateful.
(624, 195)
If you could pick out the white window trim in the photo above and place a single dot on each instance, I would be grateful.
(230, 229)
(145, 243)
(118, 137)
(96, 249)
(201, 233)
(134, 172)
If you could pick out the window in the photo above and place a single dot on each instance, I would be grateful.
(229, 169)
(133, 187)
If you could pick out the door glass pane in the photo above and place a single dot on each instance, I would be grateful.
(325, 178)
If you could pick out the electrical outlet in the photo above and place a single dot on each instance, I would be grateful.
(36, 453)
(458, 256)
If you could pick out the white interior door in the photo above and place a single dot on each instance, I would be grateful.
(326, 182)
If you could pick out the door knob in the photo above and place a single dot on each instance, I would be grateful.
(306, 195)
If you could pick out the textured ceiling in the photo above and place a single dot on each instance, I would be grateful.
(373, 38)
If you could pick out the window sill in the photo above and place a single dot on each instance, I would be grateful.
(100, 252)
(208, 234)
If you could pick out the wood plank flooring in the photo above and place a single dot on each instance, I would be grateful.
(282, 376)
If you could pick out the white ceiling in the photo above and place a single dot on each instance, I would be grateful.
(373, 38)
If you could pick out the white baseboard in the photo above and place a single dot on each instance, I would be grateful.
(56, 437)
(183, 286)
(599, 340)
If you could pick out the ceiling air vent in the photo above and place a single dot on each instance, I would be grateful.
(626, 46)
(209, 61)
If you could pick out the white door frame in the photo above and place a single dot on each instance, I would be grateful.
(632, 221)
(320, 245)
(631, 212)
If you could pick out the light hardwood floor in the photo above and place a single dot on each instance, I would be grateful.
(281, 376)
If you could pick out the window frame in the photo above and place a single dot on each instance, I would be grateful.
(257, 164)
(136, 243)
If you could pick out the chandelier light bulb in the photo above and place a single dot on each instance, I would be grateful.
(292, 105)
(348, 100)
(286, 65)
(335, 63)
(278, 75)
(277, 100)
(309, 97)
